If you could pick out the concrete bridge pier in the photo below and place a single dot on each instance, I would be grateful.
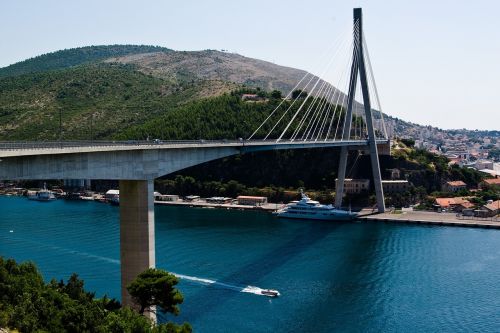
(137, 232)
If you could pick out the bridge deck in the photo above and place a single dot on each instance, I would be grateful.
(12, 149)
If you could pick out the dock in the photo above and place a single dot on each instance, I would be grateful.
(270, 207)
(431, 218)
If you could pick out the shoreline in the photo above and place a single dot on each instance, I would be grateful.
(365, 215)
(269, 207)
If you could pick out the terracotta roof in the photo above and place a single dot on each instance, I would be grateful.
(493, 181)
(447, 202)
(456, 183)
(493, 206)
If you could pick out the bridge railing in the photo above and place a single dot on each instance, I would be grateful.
(26, 145)
(15, 145)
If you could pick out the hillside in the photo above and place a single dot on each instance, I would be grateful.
(128, 86)
(74, 57)
(100, 91)
(114, 96)
(214, 65)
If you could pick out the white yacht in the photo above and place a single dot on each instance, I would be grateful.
(312, 210)
(42, 195)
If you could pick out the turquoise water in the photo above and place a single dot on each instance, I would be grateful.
(332, 277)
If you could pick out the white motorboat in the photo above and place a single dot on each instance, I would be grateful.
(270, 292)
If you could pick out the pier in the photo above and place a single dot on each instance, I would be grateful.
(431, 218)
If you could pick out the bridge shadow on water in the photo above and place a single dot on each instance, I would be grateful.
(349, 289)
(262, 266)
(356, 288)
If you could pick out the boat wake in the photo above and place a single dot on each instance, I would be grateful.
(242, 289)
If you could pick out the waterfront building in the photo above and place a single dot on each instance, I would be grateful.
(492, 208)
(251, 200)
(457, 204)
(395, 186)
(355, 186)
(454, 186)
(167, 197)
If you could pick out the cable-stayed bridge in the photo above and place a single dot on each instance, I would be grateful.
(315, 114)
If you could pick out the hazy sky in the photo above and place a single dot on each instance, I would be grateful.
(436, 62)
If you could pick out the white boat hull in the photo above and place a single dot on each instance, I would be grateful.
(328, 217)
(307, 209)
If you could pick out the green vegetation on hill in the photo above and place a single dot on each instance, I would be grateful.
(29, 304)
(73, 57)
(222, 117)
(114, 97)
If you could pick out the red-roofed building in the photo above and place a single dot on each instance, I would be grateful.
(490, 183)
(454, 186)
(456, 204)
(493, 208)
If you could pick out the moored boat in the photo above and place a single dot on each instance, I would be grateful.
(308, 209)
(42, 195)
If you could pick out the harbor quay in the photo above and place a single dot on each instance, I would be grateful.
(202, 203)
(430, 218)
(364, 215)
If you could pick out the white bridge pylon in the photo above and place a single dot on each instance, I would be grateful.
(318, 111)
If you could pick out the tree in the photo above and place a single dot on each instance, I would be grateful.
(408, 142)
(276, 94)
(156, 287)
(299, 94)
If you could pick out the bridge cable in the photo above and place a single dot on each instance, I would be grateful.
(279, 105)
(326, 107)
(355, 60)
(343, 94)
(312, 104)
(372, 77)
(291, 92)
(331, 105)
(311, 107)
(300, 108)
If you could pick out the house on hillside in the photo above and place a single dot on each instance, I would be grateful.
(354, 186)
(454, 204)
(250, 97)
(487, 183)
(395, 186)
(454, 186)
